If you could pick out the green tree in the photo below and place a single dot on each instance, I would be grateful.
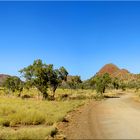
(56, 77)
(77, 81)
(92, 82)
(102, 82)
(13, 84)
(115, 83)
(43, 76)
(37, 75)
(63, 73)
(74, 82)
(123, 85)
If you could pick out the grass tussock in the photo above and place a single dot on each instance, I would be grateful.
(34, 118)
(32, 112)
(39, 132)
(73, 94)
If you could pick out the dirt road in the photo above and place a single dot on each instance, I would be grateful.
(114, 118)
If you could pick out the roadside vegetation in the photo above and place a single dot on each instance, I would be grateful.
(17, 116)
(31, 108)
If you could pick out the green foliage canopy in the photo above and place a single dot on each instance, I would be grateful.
(102, 82)
(43, 76)
(74, 82)
(13, 84)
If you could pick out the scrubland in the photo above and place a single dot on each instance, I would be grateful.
(34, 118)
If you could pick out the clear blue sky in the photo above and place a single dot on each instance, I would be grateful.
(81, 36)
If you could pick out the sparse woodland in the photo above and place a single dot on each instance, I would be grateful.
(43, 96)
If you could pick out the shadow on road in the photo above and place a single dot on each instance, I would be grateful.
(106, 96)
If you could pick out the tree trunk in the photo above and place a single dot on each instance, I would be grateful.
(53, 93)
(104, 90)
(19, 95)
(45, 95)
(71, 90)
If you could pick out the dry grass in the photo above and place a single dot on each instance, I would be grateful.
(39, 132)
(136, 94)
(15, 111)
(33, 119)
(75, 94)
(71, 93)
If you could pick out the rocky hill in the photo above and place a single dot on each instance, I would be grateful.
(108, 68)
(3, 78)
(115, 71)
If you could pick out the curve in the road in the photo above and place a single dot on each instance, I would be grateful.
(115, 118)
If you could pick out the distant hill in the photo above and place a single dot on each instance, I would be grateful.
(108, 68)
(115, 71)
(3, 77)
